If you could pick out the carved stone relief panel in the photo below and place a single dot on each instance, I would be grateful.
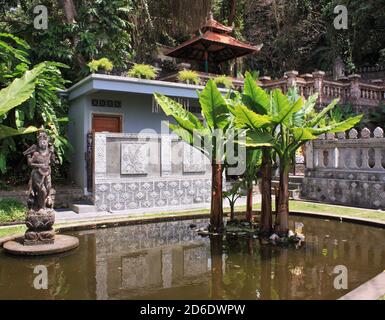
(193, 160)
(134, 158)
(100, 153)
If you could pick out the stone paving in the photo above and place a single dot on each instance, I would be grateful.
(68, 216)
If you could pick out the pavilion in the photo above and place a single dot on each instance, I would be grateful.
(212, 46)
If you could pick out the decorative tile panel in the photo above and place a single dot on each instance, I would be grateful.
(151, 194)
(134, 158)
(100, 154)
(193, 160)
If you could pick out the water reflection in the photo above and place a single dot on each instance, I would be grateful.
(171, 261)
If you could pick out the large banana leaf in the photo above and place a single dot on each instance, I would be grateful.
(6, 132)
(214, 107)
(305, 134)
(258, 139)
(338, 127)
(323, 113)
(244, 117)
(181, 115)
(254, 96)
(19, 90)
(285, 108)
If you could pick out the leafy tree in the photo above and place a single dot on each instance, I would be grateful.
(210, 137)
(255, 99)
(232, 195)
(253, 164)
(78, 31)
(12, 96)
(294, 122)
(42, 107)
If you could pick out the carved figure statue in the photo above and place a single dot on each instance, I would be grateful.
(40, 216)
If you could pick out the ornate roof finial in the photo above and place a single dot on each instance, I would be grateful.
(211, 15)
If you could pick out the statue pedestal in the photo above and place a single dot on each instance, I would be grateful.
(39, 224)
(61, 244)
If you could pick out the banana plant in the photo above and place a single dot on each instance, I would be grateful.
(257, 100)
(290, 121)
(209, 137)
(19, 91)
(253, 164)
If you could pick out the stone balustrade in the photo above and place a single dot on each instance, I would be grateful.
(361, 94)
(347, 168)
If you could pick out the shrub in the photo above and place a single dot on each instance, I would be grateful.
(11, 210)
(225, 81)
(189, 76)
(102, 63)
(142, 71)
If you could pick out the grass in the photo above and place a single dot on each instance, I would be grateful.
(11, 211)
(8, 231)
(337, 210)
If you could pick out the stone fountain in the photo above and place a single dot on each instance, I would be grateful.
(40, 238)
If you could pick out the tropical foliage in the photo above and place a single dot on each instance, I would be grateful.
(293, 121)
(142, 71)
(29, 99)
(189, 77)
(103, 63)
(224, 81)
(127, 31)
(210, 137)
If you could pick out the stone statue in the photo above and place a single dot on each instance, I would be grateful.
(40, 216)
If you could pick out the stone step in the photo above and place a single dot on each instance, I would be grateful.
(83, 207)
(296, 179)
(292, 185)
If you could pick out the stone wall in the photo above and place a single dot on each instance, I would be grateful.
(147, 172)
(64, 196)
(347, 169)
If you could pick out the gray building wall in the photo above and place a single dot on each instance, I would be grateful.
(77, 138)
(136, 110)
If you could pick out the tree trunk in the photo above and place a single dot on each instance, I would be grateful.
(233, 12)
(216, 214)
(266, 216)
(232, 211)
(69, 11)
(282, 220)
(70, 15)
(249, 203)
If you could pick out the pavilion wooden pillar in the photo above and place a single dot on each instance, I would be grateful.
(206, 57)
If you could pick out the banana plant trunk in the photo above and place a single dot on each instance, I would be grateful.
(282, 220)
(249, 202)
(232, 211)
(216, 214)
(266, 215)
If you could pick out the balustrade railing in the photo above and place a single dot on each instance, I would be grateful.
(350, 89)
(347, 168)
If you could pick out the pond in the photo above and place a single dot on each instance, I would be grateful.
(169, 260)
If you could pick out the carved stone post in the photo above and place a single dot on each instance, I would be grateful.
(355, 91)
(291, 78)
(318, 85)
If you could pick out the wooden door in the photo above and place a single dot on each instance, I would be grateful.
(106, 123)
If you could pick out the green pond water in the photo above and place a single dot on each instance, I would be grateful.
(169, 260)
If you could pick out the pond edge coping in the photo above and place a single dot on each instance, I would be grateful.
(377, 284)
